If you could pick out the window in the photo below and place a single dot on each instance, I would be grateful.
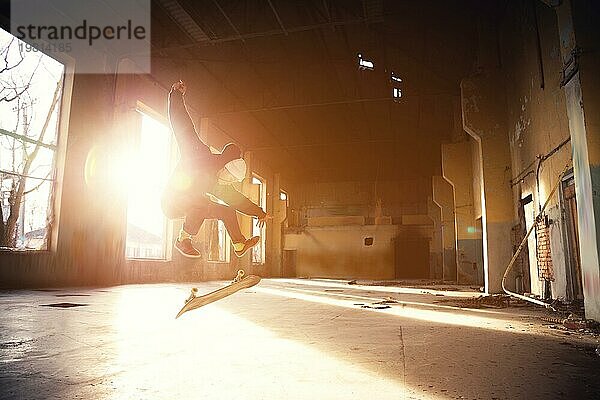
(258, 251)
(218, 241)
(148, 166)
(396, 90)
(395, 78)
(31, 92)
(365, 64)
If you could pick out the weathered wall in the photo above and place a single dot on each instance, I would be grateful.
(398, 198)
(531, 118)
(537, 121)
(340, 251)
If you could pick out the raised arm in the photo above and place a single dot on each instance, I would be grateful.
(182, 125)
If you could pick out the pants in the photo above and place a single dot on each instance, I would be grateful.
(195, 209)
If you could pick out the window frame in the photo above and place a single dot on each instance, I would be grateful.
(141, 110)
(59, 157)
(262, 200)
(226, 246)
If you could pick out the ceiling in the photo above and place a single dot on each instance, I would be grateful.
(282, 79)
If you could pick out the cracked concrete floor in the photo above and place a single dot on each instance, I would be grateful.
(283, 339)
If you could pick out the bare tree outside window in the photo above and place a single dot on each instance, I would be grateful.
(30, 95)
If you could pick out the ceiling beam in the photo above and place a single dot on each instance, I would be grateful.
(275, 32)
(231, 24)
(277, 17)
(182, 18)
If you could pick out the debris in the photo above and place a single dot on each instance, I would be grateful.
(375, 307)
(484, 301)
(575, 324)
(63, 305)
(352, 282)
(388, 300)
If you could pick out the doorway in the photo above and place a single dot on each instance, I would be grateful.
(525, 221)
(569, 209)
(412, 258)
(535, 281)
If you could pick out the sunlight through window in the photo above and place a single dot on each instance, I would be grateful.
(148, 172)
(364, 63)
(258, 251)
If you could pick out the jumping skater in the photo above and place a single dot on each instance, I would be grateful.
(200, 179)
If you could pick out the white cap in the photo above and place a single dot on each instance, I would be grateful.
(233, 171)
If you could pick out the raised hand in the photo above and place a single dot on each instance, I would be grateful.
(262, 221)
(179, 86)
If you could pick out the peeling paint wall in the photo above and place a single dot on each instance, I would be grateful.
(398, 198)
(537, 121)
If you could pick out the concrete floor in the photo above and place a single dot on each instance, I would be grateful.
(283, 339)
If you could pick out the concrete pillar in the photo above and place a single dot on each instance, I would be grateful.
(276, 243)
(443, 196)
(456, 167)
(577, 20)
(91, 234)
(483, 107)
(436, 247)
(251, 191)
(483, 104)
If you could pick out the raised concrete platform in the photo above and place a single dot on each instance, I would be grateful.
(283, 339)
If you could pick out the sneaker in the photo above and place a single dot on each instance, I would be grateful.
(248, 244)
(186, 248)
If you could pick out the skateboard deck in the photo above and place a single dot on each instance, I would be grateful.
(240, 282)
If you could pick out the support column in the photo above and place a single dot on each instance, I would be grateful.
(436, 248)
(456, 167)
(90, 244)
(443, 195)
(276, 247)
(483, 108)
(577, 20)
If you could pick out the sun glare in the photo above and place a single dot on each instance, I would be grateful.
(145, 174)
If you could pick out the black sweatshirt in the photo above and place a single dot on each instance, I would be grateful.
(198, 164)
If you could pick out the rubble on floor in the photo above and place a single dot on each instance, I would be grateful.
(485, 301)
(419, 283)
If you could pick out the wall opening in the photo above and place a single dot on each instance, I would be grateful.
(364, 63)
(258, 251)
(569, 203)
(534, 276)
(218, 241)
(148, 167)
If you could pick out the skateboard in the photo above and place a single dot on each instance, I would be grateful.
(241, 281)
